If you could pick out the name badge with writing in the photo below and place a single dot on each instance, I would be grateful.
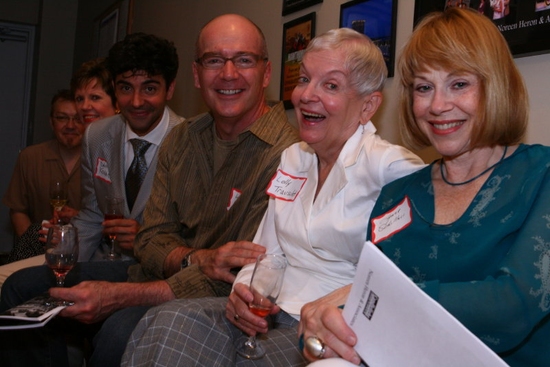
(284, 186)
(391, 222)
(102, 170)
(233, 197)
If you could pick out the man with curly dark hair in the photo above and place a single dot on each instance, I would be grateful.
(143, 68)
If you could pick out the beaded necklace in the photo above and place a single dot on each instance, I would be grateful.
(441, 164)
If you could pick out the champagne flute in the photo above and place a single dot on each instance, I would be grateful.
(115, 210)
(265, 285)
(61, 250)
(58, 195)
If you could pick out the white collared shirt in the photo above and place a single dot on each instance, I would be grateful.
(154, 137)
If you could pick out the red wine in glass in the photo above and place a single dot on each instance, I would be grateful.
(111, 217)
(265, 285)
(61, 251)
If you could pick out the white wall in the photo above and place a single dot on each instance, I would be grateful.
(180, 22)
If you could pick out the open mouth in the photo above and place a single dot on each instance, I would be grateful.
(312, 117)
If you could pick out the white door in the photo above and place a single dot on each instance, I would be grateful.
(16, 61)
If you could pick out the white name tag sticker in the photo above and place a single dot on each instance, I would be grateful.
(233, 197)
(284, 186)
(102, 170)
(391, 222)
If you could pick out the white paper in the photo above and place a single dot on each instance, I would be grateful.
(33, 313)
(397, 324)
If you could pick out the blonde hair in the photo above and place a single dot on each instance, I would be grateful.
(461, 40)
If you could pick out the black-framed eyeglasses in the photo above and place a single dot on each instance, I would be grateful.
(64, 119)
(241, 61)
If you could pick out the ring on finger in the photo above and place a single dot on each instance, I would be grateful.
(315, 347)
(236, 317)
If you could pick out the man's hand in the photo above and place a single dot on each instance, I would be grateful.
(96, 300)
(93, 300)
(65, 214)
(217, 263)
(124, 229)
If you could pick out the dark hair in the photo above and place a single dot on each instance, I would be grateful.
(61, 95)
(94, 69)
(147, 52)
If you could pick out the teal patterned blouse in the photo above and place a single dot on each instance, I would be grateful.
(490, 268)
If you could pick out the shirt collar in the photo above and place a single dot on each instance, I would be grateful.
(154, 136)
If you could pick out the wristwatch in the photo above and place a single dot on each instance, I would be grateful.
(186, 262)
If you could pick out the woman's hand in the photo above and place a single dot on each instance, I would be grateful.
(322, 318)
(238, 313)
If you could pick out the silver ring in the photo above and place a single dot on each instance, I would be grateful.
(236, 317)
(315, 347)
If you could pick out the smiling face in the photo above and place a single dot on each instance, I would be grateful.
(141, 99)
(234, 95)
(329, 111)
(92, 102)
(445, 107)
(66, 124)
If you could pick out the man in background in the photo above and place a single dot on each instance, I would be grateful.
(28, 194)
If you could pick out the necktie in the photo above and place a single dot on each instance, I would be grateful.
(136, 172)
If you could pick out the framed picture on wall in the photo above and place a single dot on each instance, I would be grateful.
(524, 24)
(296, 36)
(112, 26)
(291, 6)
(376, 19)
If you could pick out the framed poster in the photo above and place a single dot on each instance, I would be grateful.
(376, 19)
(291, 6)
(524, 24)
(296, 36)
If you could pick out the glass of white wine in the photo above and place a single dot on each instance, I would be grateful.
(58, 195)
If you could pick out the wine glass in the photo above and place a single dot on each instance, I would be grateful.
(265, 285)
(61, 250)
(115, 210)
(58, 195)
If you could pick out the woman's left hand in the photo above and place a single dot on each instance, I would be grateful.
(323, 319)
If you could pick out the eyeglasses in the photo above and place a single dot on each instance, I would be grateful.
(241, 61)
(64, 119)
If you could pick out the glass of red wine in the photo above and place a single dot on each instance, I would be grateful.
(115, 210)
(265, 285)
(61, 250)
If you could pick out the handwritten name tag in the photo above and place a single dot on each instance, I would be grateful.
(233, 197)
(391, 222)
(284, 186)
(102, 170)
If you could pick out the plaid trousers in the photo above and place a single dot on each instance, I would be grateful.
(195, 332)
